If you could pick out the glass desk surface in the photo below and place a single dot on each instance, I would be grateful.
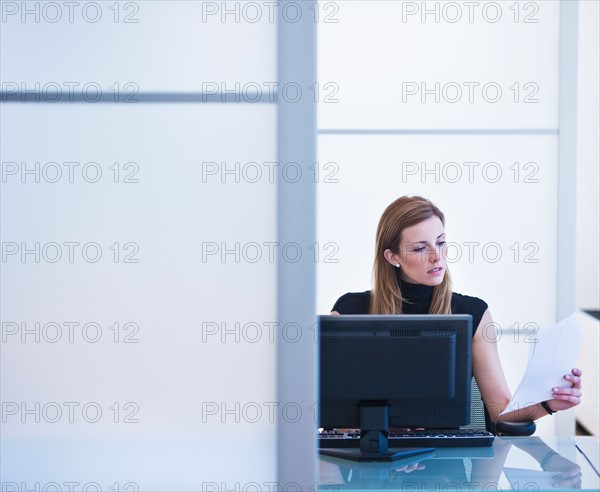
(164, 464)
(518, 463)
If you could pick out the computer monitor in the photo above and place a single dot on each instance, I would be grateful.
(379, 372)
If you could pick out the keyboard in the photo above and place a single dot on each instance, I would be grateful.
(429, 438)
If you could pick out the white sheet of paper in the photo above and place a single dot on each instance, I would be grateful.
(552, 356)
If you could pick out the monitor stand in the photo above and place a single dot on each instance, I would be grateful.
(374, 422)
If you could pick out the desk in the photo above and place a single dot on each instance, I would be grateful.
(517, 463)
(195, 464)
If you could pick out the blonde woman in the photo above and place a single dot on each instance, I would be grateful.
(411, 277)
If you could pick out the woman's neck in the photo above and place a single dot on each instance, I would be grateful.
(417, 297)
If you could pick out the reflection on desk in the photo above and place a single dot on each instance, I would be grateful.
(516, 463)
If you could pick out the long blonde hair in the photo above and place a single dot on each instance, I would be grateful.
(386, 297)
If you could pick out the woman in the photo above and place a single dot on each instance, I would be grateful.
(411, 277)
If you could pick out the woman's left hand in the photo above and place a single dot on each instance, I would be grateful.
(565, 398)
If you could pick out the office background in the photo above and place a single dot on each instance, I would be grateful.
(175, 219)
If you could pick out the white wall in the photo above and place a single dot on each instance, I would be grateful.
(386, 137)
(588, 158)
(588, 206)
(515, 209)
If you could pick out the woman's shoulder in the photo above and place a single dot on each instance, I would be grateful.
(462, 301)
(353, 303)
(474, 306)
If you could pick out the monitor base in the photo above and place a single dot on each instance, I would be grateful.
(390, 455)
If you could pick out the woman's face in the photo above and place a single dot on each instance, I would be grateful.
(422, 253)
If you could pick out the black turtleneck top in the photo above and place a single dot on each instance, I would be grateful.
(417, 301)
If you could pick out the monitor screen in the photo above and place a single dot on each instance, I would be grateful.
(417, 366)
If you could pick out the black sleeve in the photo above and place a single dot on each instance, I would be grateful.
(469, 305)
(353, 303)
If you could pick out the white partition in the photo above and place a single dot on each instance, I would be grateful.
(139, 269)
(163, 253)
(161, 46)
